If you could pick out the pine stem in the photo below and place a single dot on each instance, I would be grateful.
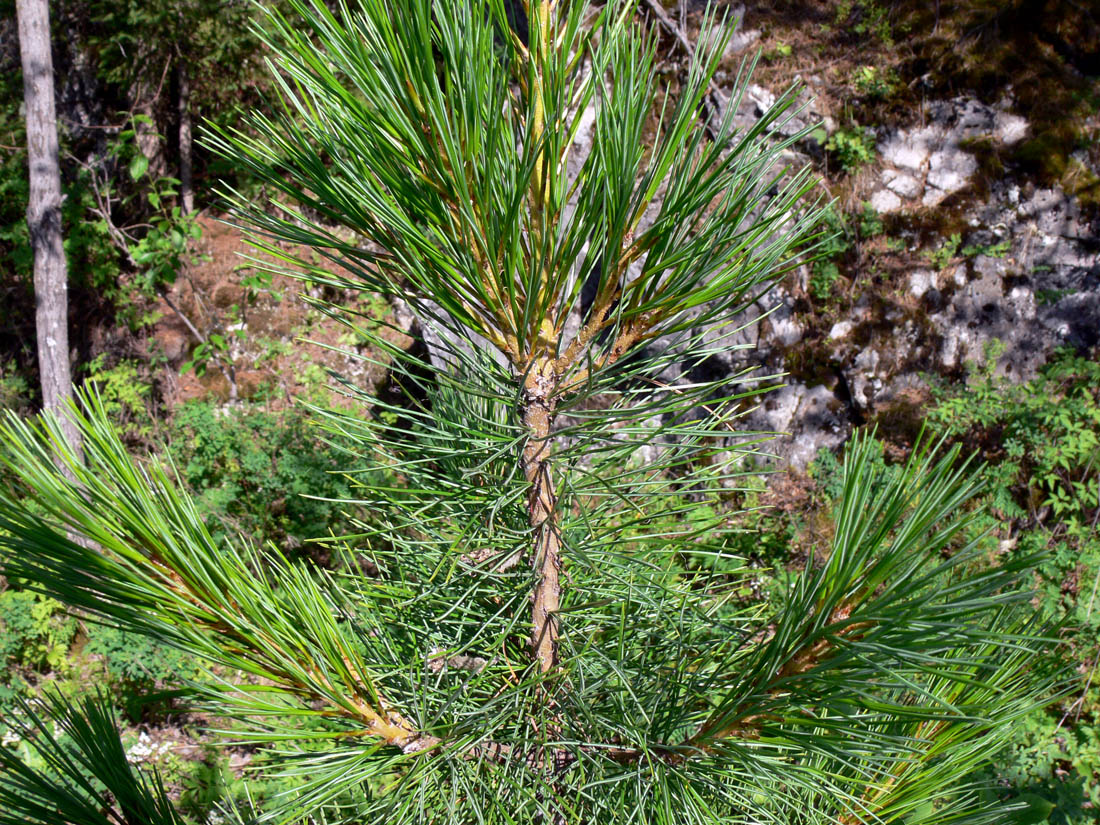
(539, 399)
(542, 511)
(538, 413)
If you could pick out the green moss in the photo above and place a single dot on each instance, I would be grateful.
(1046, 153)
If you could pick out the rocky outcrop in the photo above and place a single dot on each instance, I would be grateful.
(1041, 291)
(1024, 273)
(924, 165)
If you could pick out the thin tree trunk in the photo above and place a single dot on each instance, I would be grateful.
(187, 195)
(44, 213)
(543, 516)
(538, 415)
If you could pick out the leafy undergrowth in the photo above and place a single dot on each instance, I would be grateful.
(1040, 444)
(267, 474)
(1041, 440)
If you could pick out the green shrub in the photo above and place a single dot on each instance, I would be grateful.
(875, 83)
(267, 475)
(1055, 767)
(870, 223)
(127, 394)
(35, 631)
(863, 17)
(1045, 438)
(15, 392)
(994, 250)
(781, 50)
(853, 147)
(137, 667)
(836, 243)
(828, 472)
(36, 635)
(1042, 440)
(1048, 431)
(822, 278)
(942, 255)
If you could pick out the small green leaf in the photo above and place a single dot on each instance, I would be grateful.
(138, 166)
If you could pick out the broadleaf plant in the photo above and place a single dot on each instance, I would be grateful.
(533, 624)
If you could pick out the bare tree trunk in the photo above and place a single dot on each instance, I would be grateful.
(44, 213)
(187, 195)
(538, 415)
(542, 512)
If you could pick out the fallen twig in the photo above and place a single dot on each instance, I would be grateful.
(715, 99)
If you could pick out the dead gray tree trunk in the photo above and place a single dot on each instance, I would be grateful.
(187, 194)
(44, 213)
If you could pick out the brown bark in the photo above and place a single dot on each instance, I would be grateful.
(187, 195)
(44, 213)
(538, 414)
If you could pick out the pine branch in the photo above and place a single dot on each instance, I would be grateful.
(148, 547)
(68, 784)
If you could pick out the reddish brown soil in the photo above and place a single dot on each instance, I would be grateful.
(281, 348)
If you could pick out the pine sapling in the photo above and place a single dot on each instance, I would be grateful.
(533, 623)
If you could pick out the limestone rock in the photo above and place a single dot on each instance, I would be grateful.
(1008, 128)
(949, 170)
(840, 330)
(930, 163)
(910, 150)
(921, 281)
(901, 184)
(884, 201)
